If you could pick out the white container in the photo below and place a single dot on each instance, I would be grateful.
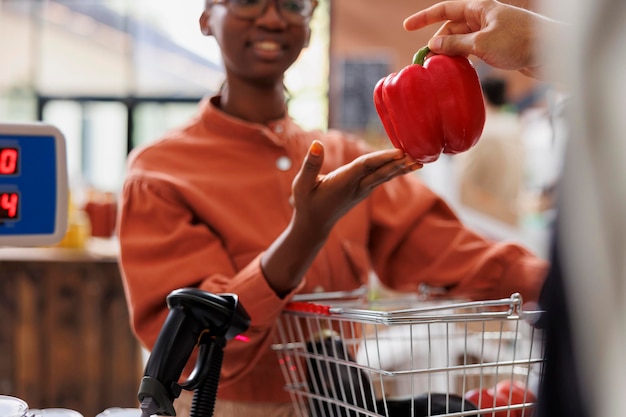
(55, 412)
(12, 407)
(15, 407)
(120, 412)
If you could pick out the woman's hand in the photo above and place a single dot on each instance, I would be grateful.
(502, 35)
(319, 201)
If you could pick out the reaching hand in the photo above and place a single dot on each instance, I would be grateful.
(319, 201)
(502, 35)
(324, 199)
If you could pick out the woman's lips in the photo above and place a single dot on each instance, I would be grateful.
(267, 46)
(267, 49)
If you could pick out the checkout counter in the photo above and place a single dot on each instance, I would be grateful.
(65, 338)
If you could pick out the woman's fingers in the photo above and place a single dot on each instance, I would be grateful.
(307, 178)
(374, 175)
(314, 159)
(325, 198)
(374, 160)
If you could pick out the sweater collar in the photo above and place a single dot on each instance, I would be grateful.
(278, 131)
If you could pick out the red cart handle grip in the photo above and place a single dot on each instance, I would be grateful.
(308, 307)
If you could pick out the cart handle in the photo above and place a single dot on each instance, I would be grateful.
(308, 307)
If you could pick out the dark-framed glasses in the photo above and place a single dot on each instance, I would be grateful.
(296, 12)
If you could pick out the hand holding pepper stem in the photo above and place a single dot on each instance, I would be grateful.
(502, 35)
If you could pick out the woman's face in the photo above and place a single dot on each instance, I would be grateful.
(256, 50)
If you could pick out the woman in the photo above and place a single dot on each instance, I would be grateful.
(242, 200)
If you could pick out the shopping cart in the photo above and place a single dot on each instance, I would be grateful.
(348, 356)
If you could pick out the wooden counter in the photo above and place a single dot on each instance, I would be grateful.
(65, 339)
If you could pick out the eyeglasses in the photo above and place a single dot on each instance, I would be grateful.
(296, 12)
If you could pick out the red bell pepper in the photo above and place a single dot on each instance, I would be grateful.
(488, 400)
(434, 105)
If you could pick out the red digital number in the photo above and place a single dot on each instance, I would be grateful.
(8, 161)
(8, 204)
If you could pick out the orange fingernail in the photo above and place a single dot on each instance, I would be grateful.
(316, 149)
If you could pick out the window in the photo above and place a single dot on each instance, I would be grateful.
(95, 70)
(95, 133)
(151, 119)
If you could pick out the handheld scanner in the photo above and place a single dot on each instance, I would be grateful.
(195, 318)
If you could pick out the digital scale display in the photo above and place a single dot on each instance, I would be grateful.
(33, 185)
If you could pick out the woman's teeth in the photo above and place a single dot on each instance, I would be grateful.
(267, 46)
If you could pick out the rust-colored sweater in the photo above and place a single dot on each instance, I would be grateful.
(201, 205)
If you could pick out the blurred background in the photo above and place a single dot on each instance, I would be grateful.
(116, 74)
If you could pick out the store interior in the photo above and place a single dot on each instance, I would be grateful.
(113, 75)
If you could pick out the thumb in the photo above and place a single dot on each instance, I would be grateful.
(307, 177)
(451, 45)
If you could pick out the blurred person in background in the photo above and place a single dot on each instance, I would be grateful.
(490, 176)
(584, 293)
(242, 200)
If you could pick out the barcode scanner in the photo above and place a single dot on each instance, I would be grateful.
(196, 318)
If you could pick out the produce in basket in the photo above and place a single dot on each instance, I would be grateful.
(439, 403)
(437, 345)
(516, 392)
(329, 377)
(487, 399)
(506, 392)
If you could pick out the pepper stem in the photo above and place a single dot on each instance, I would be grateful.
(420, 55)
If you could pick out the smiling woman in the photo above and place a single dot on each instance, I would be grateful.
(241, 199)
(306, 80)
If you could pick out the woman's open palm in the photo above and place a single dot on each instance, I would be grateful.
(323, 199)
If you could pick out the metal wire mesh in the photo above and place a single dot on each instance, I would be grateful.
(352, 357)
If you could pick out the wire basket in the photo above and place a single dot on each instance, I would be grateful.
(347, 356)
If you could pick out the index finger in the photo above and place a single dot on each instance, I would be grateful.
(374, 160)
(379, 168)
(440, 12)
